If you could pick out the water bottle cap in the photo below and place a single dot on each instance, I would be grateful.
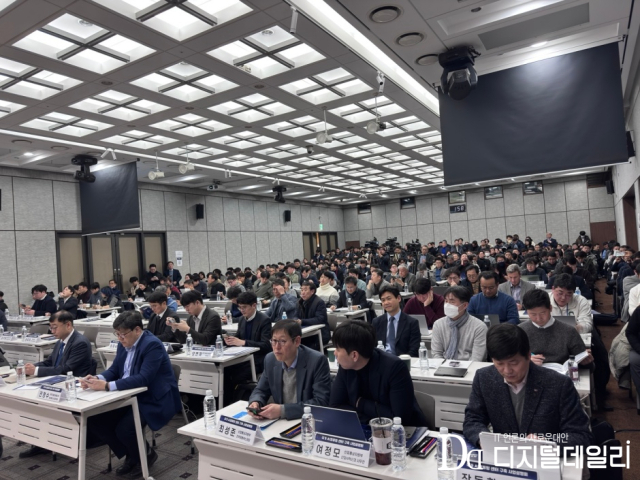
(422, 345)
(209, 392)
(444, 430)
(397, 421)
(379, 342)
(188, 335)
(69, 373)
(307, 409)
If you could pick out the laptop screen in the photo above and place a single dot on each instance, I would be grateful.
(341, 423)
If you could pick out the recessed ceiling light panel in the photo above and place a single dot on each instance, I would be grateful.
(426, 60)
(385, 14)
(410, 39)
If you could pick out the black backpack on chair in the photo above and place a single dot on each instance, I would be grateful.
(604, 436)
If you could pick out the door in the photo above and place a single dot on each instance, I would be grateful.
(128, 249)
(71, 259)
(154, 250)
(102, 259)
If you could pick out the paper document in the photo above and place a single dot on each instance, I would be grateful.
(236, 350)
(564, 368)
(89, 395)
(262, 423)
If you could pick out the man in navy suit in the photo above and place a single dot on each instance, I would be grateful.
(44, 305)
(67, 301)
(141, 361)
(172, 275)
(72, 353)
(371, 382)
(399, 333)
(518, 397)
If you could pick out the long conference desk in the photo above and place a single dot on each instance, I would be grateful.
(226, 459)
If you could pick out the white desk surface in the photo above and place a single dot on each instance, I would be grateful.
(15, 320)
(354, 313)
(18, 341)
(223, 359)
(306, 331)
(79, 406)
(100, 310)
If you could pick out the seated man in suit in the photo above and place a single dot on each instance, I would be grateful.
(516, 288)
(425, 302)
(96, 294)
(67, 301)
(404, 277)
(282, 302)
(158, 321)
(141, 361)
(254, 330)
(399, 333)
(83, 293)
(172, 275)
(518, 397)
(72, 353)
(493, 302)
(376, 283)
(458, 335)
(551, 341)
(313, 311)
(44, 305)
(358, 297)
(203, 324)
(294, 376)
(371, 382)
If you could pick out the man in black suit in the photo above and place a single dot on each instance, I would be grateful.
(358, 297)
(382, 260)
(44, 305)
(399, 333)
(172, 275)
(203, 324)
(254, 330)
(313, 311)
(518, 397)
(158, 321)
(153, 277)
(371, 382)
(67, 301)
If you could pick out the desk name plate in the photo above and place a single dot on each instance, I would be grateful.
(340, 449)
(53, 394)
(238, 430)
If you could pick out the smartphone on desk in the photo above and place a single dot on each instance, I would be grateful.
(454, 363)
(255, 411)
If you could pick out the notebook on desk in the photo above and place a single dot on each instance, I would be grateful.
(453, 368)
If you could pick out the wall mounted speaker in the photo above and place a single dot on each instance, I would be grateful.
(287, 215)
(609, 185)
(631, 151)
(199, 211)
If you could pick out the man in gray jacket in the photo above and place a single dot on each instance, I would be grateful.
(294, 376)
(376, 283)
(516, 287)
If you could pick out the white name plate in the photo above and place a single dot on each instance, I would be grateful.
(52, 394)
(238, 430)
(113, 345)
(207, 352)
(345, 450)
(32, 338)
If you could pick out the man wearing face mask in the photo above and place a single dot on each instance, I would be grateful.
(458, 335)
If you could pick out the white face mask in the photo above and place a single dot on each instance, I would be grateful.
(451, 311)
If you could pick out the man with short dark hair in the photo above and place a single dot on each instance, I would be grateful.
(281, 303)
(313, 311)
(172, 274)
(493, 302)
(376, 283)
(84, 295)
(158, 320)
(214, 285)
(294, 375)
(67, 301)
(472, 280)
(351, 291)
(141, 361)
(153, 277)
(264, 288)
(458, 335)
(371, 382)
(44, 305)
(399, 333)
(96, 296)
(425, 302)
(203, 324)
(325, 291)
(515, 396)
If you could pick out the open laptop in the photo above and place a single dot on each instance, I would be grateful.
(493, 318)
(124, 297)
(341, 423)
(568, 319)
(440, 290)
(531, 278)
(422, 321)
(497, 448)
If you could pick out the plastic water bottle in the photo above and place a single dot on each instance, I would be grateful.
(21, 373)
(380, 345)
(70, 387)
(24, 333)
(308, 431)
(218, 296)
(259, 304)
(218, 352)
(209, 410)
(406, 288)
(573, 372)
(22, 313)
(1, 329)
(487, 322)
(229, 318)
(284, 315)
(399, 446)
(423, 355)
(577, 292)
(189, 344)
(349, 304)
(445, 457)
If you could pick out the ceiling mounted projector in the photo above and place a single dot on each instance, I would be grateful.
(186, 167)
(459, 62)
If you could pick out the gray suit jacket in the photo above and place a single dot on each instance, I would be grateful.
(313, 382)
(627, 284)
(525, 287)
(551, 406)
(208, 330)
